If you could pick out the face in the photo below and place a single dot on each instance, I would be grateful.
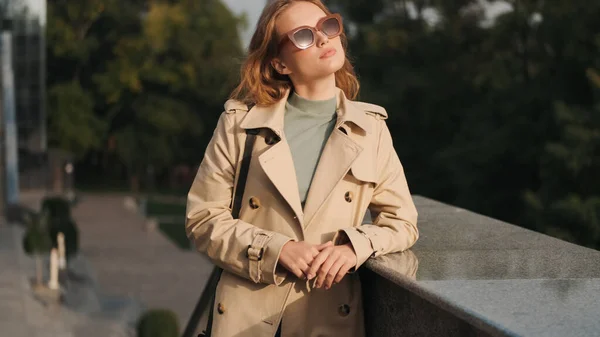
(321, 60)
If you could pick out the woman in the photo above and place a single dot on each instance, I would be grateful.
(320, 161)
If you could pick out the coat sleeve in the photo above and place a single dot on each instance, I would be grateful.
(209, 222)
(394, 227)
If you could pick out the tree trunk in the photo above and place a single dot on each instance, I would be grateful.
(135, 183)
(38, 270)
(57, 181)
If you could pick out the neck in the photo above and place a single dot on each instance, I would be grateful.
(316, 90)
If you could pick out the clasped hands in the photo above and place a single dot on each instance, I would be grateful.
(326, 262)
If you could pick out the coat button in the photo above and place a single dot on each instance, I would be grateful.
(271, 140)
(348, 196)
(344, 310)
(254, 203)
(221, 308)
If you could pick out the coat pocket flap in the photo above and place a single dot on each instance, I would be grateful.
(365, 169)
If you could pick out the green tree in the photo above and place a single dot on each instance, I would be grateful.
(73, 124)
(567, 204)
(168, 82)
(142, 81)
(469, 98)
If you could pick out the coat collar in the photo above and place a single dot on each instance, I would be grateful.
(271, 116)
(349, 111)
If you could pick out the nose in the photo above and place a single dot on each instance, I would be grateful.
(322, 39)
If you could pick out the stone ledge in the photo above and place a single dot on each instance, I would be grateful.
(482, 277)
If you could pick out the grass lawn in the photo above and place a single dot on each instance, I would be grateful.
(171, 217)
(176, 233)
(154, 208)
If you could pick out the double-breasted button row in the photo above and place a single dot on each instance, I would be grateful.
(343, 310)
(254, 202)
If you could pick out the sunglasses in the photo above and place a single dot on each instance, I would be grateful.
(305, 37)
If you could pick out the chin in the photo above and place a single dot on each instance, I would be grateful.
(323, 68)
(332, 66)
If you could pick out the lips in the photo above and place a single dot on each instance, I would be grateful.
(329, 52)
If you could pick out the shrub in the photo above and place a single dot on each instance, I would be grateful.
(158, 323)
(69, 230)
(56, 207)
(56, 216)
(36, 242)
(36, 239)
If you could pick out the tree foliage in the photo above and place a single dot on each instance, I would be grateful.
(144, 80)
(567, 204)
(498, 114)
(495, 115)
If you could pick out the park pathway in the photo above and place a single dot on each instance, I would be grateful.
(128, 261)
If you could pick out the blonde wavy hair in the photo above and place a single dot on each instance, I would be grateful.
(260, 83)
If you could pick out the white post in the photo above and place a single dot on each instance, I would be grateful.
(62, 260)
(53, 283)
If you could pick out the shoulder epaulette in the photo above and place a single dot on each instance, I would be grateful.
(373, 110)
(233, 106)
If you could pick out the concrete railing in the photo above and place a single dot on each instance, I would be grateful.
(470, 275)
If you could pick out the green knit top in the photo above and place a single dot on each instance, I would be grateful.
(307, 126)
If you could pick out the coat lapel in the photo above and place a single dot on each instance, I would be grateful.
(340, 152)
(337, 158)
(278, 165)
(276, 161)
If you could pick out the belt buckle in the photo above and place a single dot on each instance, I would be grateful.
(254, 254)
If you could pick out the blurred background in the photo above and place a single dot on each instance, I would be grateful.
(494, 107)
(493, 104)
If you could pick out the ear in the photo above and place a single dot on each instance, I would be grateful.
(280, 67)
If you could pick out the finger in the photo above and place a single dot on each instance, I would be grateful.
(303, 268)
(333, 272)
(308, 256)
(322, 273)
(314, 252)
(343, 271)
(296, 271)
(324, 245)
(317, 262)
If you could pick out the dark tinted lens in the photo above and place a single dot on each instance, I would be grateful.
(331, 27)
(304, 37)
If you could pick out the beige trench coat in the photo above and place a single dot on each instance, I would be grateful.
(358, 169)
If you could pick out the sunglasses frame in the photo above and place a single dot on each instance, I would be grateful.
(289, 36)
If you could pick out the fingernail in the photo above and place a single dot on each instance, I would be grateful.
(310, 276)
(326, 287)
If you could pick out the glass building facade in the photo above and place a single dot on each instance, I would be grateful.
(26, 21)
